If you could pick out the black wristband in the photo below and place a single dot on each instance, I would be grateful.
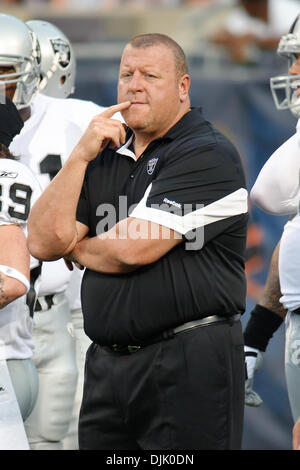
(260, 327)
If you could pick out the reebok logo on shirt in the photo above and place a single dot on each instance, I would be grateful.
(172, 203)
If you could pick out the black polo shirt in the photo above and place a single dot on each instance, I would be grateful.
(190, 180)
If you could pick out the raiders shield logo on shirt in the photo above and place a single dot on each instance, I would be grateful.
(151, 165)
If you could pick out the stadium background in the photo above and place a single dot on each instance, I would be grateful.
(236, 98)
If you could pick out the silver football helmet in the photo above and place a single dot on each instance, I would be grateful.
(19, 54)
(58, 63)
(286, 88)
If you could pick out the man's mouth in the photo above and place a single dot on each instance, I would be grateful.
(295, 86)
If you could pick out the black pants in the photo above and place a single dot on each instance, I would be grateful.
(183, 393)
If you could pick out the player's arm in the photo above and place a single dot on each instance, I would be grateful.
(52, 229)
(128, 245)
(151, 232)
(271, 292)
(14, 264)
(265, 318)
(276, 189)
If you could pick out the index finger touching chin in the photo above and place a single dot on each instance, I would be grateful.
(109, 112)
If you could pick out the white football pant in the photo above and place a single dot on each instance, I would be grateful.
(54, 358)
(82, 344)
(292, 361)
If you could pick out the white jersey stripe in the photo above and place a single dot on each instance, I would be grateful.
(234, 204)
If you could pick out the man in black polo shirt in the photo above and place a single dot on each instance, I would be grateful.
(157, 214)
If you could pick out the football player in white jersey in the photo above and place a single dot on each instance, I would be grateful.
(277, 191)
(66, 119)
(19, 277)
(58, 70)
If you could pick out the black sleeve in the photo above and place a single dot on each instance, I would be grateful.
(195, 190)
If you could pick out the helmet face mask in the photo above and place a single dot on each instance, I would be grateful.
(286, 88)
(25, 78)
(286, 93)
(58, 65)
(19, 61)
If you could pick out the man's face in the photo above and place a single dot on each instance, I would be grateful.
(149, 80)
(11, 87)
(295, 67)
(295, 70)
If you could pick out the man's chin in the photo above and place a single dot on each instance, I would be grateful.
(136, 124)
(135, 118)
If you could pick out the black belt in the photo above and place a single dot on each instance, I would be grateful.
(48, 300)
(297, 310)
(128, 349)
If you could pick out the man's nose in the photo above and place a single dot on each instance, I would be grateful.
(295, 68)
(136, 82)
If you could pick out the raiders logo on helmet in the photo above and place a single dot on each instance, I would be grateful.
(62, 49)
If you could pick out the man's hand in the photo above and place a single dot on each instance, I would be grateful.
(102, 131)
(69, 260)
(253, 359)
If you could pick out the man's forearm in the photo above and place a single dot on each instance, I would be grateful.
(100, 255)
(272, 293)
(10, 290)
(122, 250)
(52, 221)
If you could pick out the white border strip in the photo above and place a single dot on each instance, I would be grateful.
(234, 204)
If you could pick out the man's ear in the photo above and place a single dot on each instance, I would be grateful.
(184, 87)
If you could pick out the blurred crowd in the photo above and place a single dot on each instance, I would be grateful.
(241, 29)
(99, 3)
(254, 25)
(111, 3)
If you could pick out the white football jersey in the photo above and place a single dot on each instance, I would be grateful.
(277, 190)
(289, 264)
(19, 189)
(44, 144)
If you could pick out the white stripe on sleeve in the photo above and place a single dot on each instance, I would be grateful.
(233, 204)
